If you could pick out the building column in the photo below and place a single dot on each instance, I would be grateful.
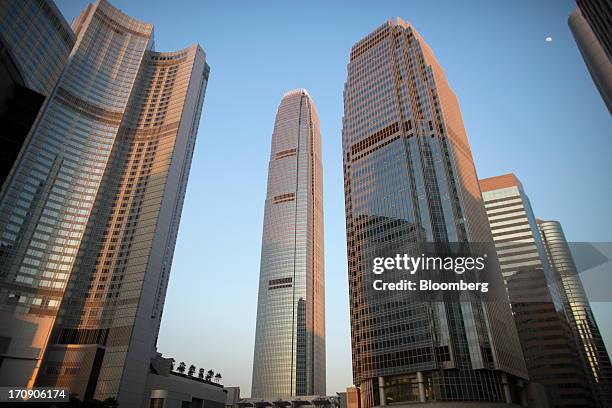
(506, 387)
(523, 387)
(381, 391)
(421, 383)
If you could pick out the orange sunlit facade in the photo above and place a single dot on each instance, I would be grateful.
(90, 216)
(409, 180)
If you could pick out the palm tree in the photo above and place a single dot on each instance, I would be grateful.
(209, 375)
(191, 370)
(201, 373)
(181, 367)
(218, 377)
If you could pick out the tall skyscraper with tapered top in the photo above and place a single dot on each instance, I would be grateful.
(90, 213)
(289, 355)
(409, 178)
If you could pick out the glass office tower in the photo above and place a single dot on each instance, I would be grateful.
(89, 216)
(598, 14)
(579, 311)
(289, 355)
(537, 301)
(591, 26)
(24, 25)
(28, 72)
(409, 179)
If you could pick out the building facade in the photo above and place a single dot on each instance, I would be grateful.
(578, 309)
(24, 26)
(352, 398)
(591, 25)
(233, 396)
(304, 401)
(90, 213)
(289, 357)
(598, 13)
(537, 301)
(170, 389)
(28, 72)
(410, 179)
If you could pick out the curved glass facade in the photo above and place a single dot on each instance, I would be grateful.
(289, 355)
(578, 309)
(410, 179)
(89, 218)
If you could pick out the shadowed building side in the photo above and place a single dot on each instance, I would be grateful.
(551, 353)
(28, 72)
(24, 26)
(591, 25)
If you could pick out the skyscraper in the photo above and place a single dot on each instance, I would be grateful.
(598, 14)
(90, 213)
(537, 301)
(28, 72)
(591, 25)
(289, 355)
(578, 309)
(23, 26)
(409, 179)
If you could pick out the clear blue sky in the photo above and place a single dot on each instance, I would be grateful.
(529, 107)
